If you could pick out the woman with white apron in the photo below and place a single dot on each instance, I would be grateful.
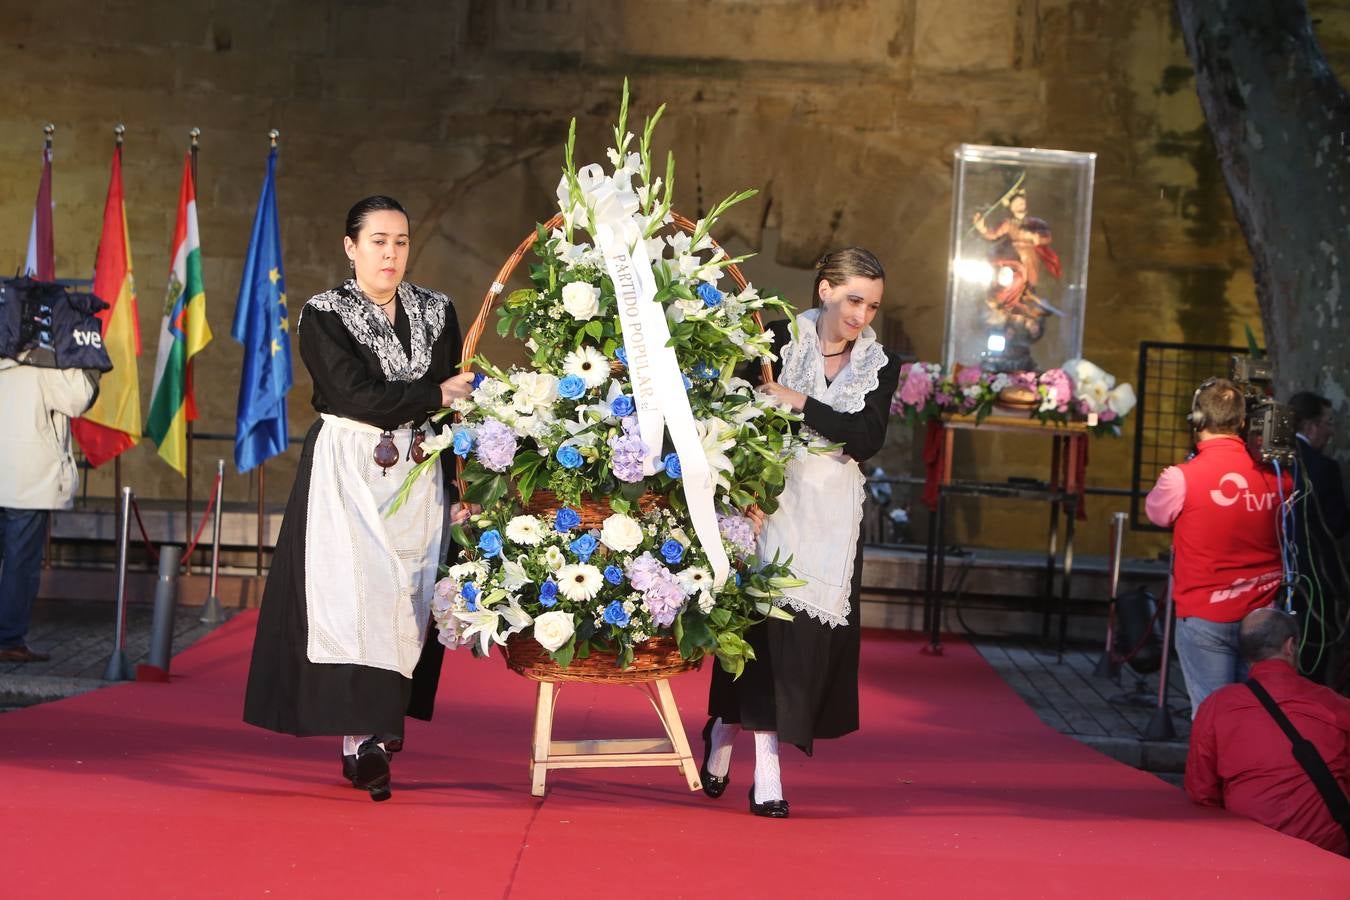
(341, 647)
(803, 683)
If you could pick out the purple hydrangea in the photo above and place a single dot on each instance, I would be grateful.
(496, 445)
(643, 570)
(663, 598)
(628, 452)
(739, 532)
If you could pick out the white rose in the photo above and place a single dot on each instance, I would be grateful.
(581, 300)
(553, 629)
(621, 533)
(525, 530)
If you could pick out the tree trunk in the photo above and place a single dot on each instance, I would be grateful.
(1281, 126)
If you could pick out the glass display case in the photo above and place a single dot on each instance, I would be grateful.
(1017, 283)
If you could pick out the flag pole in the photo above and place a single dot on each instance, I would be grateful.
(194, 134)
(262, 466)
(119, 130)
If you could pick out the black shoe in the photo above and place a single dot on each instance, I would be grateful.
(372, 769)
(713, 785)
(349, 767)
(393, 744)
(774, 809)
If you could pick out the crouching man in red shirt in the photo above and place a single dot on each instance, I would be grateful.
(1241, 760)
(1224, 511)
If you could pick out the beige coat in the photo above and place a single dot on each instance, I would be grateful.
(37, 467)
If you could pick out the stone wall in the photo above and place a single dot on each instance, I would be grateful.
(843, 113)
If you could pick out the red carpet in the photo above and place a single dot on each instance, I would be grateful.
(953, 788)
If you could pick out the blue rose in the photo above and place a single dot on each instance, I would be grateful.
(571, 387)
(687, 383)
(490, 543)
(463, 442)
(569, 456)
(478, 379)
(622, 406)
(709, 294)
(672, 464)
(672, 551)
(738, 578)
(566, 519)
(706, 372)
(615, 615)
(614, 575)
(548, 594)
(470, 596)
(621, 355)
(584, 546)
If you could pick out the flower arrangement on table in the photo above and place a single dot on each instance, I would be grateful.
(1076, 391)
(567, 426)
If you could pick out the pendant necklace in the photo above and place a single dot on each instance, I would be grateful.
(847, 346)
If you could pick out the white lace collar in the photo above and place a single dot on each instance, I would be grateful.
(804, 368)
(426, 311)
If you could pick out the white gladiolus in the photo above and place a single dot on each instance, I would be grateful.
(621, 533)
(554, 559)
(553, 629)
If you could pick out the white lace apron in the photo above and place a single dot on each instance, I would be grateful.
(820, 509)
(368, 576)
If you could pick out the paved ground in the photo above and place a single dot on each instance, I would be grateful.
(79, 636)
(1066, 695)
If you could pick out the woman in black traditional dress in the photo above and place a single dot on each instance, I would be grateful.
(341, 646)
(803, 683)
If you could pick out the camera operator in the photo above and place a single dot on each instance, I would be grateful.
(1224, 511)
(1319, 523)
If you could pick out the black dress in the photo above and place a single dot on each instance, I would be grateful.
(803, 682)
(286, 692)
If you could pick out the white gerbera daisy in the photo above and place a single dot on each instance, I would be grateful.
(694, 579)
(527, 530)
(588, 364)
(579, 582)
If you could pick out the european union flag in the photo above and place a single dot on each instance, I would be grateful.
(261, 325)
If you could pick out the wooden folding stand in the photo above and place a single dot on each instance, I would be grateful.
(672, 750)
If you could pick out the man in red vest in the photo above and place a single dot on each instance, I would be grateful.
(1224, 511)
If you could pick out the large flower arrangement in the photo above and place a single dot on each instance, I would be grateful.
(1076, 391)
(567, 424)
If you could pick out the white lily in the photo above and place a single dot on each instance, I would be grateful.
(717, 437)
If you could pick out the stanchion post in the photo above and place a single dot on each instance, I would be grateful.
(1105, 667)
(1160, 727)
(211, 613)
(118, 669)
(161, 625)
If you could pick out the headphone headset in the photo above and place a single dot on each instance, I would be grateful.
(1196, 416)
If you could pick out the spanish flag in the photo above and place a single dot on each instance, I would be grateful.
(113, 423)
(183, 333)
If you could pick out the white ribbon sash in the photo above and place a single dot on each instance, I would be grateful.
(654, 369)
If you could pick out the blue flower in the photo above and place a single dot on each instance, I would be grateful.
(672, 464)
(478, 378)
(687, 383)
(615, 615)
(490, 543)
(709, 294)
(738, 578)
(622, 406)
(672, 551)
(583, 547)
(470, 596)
(569, 456)
(571, 387)
(621, 355)
(566, 519)
(463, 442)
(614, 575)
(706, 372)
(548, 594)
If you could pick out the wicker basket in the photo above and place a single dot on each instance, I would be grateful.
(653, 660)
(592, 510)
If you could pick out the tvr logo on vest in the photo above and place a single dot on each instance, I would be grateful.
(1233, 487)
(88, 338)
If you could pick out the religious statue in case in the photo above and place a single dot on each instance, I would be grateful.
(1017, 282)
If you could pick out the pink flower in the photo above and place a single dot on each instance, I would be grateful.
(1107, 415)
(1058, 390)
(968, 376)
(918, 387)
